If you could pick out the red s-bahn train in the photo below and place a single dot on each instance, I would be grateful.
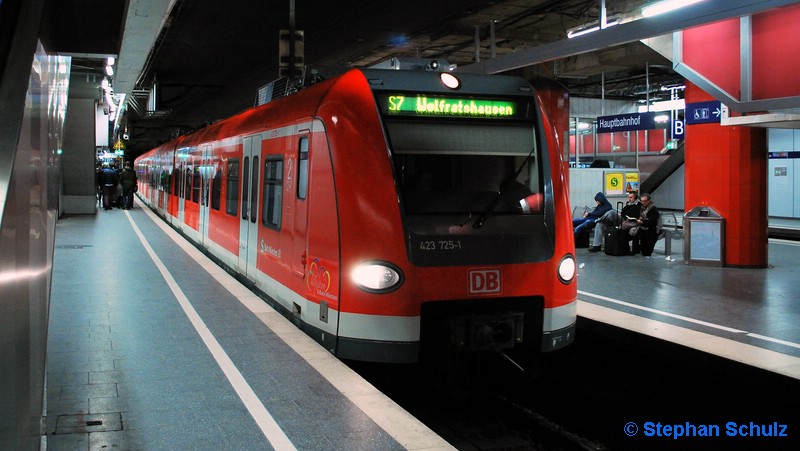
(386, 211)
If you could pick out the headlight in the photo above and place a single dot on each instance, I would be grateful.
(377, 277)
(566, 269)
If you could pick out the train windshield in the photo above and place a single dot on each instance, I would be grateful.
(469, 168)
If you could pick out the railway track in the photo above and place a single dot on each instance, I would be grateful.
(585, 398)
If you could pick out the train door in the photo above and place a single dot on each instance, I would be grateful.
(300, 217)
(173, 192)
(161, 192)
(181, 190)
(248, 220)
(206, 174)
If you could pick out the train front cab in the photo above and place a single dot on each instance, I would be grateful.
(465, 225)
(315, 194)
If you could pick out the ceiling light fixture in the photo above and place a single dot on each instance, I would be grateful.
(591, 27)
(666, 6)
(582, 30)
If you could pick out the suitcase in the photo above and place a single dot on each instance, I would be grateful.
(616, 242)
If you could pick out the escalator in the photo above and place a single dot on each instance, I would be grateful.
(654, 170)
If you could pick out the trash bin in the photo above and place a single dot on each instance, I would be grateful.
(704, 237)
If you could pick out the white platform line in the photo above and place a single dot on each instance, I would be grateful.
(730, 349)
(661, 312)
(277, 438)
(784, 242)
(774, 340)
(388, 415)
(692, 320)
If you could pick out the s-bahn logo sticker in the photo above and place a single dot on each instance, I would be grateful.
(485, 281)
(265, 248)
(318, 280)
(614, 183)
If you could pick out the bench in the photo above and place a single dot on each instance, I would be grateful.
(668, 227)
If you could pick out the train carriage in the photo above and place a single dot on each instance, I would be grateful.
(387, 212)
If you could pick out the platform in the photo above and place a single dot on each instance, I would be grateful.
(750, 316)
(152, 346)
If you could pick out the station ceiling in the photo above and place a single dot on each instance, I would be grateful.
(209, 57)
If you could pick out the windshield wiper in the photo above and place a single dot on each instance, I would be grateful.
(485, 215)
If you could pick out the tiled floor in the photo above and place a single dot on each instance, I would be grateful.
(127, 368)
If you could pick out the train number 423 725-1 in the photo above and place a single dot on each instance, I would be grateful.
(440, 245)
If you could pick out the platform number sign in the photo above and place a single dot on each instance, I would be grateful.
(678, 129)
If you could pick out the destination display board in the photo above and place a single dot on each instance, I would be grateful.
(422, 105)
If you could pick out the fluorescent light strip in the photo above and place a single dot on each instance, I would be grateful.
(574, 34)
(666, 6)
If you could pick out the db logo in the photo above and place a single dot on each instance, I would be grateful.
(483, 281)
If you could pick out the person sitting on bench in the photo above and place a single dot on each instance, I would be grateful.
(646, 228)
(612, 218)
(588, 219)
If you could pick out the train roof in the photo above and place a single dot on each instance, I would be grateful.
(432, 82)
(307, 100)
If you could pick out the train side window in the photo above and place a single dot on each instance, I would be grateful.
(245, 186)
(176, 181)
(196, 185)
(273, 190)
(216, 190)
(187, 183)
(302, 169)
(254, 192)
(232, 187)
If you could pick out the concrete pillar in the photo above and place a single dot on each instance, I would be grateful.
(78, 158)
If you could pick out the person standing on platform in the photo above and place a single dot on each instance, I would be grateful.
(108, 181)
(588, 219)
(128, 181)
(646, 228)
(98, 187)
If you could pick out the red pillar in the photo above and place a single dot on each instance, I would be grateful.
(726, 169)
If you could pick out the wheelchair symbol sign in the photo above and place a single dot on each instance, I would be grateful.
(702, 113)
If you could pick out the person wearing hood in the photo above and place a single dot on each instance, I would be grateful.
(603, 206)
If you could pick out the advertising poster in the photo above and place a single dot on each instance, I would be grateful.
(631, 182)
